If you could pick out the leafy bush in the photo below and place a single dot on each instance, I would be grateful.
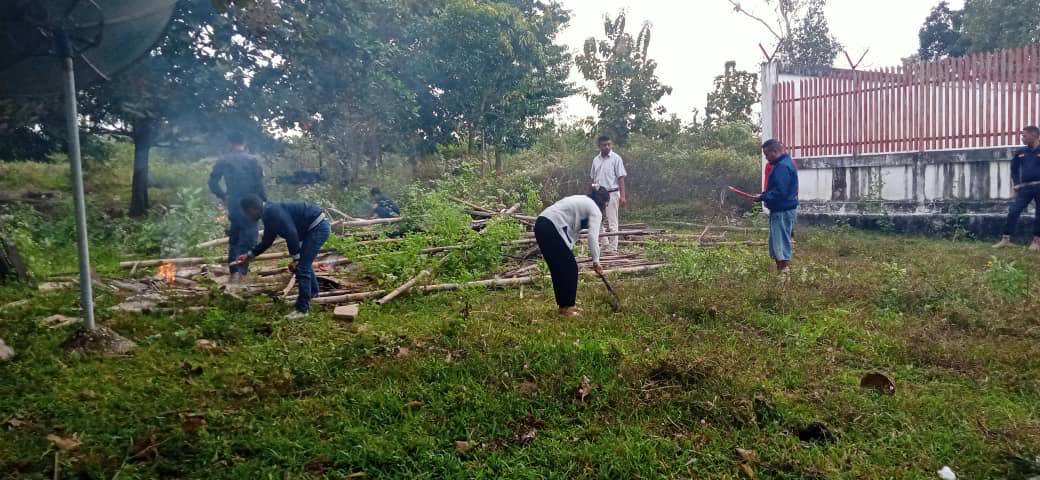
(1007, 278)
(705, 265)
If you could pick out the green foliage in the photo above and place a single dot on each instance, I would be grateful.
(703, 266)
(1007, 278)
(810, 43)
(980, 26)
(627, 87)
(432, 220)
(941, 35)
(177, 228)
(734, 97)
(803, 36)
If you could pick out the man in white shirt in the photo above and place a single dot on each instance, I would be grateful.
(608, 171)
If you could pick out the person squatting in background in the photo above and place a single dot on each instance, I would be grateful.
(557, 229)
(304, 228)
(242, 176)
(382, 205)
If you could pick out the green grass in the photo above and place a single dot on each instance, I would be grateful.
(706, 357)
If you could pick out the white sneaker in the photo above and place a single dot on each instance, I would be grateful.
(296, 315)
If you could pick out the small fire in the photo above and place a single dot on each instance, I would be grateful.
(168, 272)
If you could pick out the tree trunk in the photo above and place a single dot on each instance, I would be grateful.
(143, 138)
(498, 161)
(11, 264)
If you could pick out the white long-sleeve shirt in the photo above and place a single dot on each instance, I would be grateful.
(569, 213)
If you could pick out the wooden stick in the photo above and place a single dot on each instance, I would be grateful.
(403, 288)
(470, 205)
(187, 261)
(345, 216)
(350, 297)
(512, 209)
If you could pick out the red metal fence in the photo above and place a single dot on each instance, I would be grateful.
(977, 101)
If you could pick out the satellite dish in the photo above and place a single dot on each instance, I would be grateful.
(103, 38)
(44, 43)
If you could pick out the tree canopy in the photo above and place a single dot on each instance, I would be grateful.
(981, 26)
(627, 88)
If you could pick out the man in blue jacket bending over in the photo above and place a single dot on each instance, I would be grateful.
(781, 198)
(304, 228)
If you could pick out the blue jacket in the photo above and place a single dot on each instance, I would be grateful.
(289, 220)
(781, 192)
(1025, 165)
(242, 175)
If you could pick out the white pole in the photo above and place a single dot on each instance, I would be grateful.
(72, 124)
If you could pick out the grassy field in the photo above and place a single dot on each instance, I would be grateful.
(710, 356)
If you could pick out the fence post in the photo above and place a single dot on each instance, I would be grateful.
(768, 78)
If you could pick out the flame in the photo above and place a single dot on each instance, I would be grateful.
(168, 272)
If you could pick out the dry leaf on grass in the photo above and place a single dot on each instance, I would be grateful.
(64, 443)
(585, 389)
(146, 448)
(750, 472)
(413, 405)
(749, 456)
(402, 352)
(463, 446)
(192, 423)
(207, 346)
(15, 422)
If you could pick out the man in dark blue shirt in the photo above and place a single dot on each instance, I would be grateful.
(781, 198)
(1025, 180)
(382, 205)
(304, 228)
(242, 176)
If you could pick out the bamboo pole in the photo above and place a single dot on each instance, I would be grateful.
(497, 282)
(403, 288)
(187, 261)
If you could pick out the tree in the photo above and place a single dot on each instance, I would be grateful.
(735, 95)
(627, 87)
(942, 34)
(499, 69)
(800, 31)
(981, 26)
(187, 86)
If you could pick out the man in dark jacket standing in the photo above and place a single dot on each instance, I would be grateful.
(781, 198)
(1025, 180)
(304, 228)
(242, 176)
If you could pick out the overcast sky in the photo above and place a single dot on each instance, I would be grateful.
(693, 39)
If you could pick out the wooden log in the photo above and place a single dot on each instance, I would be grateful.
(345, 216)
(403, 288)
(350, 297)
(471, 205)
(197, 260)
(731, 228)
(512, 209)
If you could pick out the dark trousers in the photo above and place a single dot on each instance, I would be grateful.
(562, 266)
(1023, 198)
(306, 280)
(243, 235)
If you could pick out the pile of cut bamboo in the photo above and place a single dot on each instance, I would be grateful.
(342, 285)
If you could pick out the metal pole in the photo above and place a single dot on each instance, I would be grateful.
(72, 124)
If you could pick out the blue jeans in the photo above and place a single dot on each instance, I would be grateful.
(781, 224)
(243, 235)
(306, 280)
(1023, 198)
